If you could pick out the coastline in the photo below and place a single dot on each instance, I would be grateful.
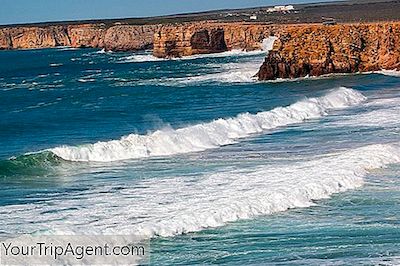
(193, 152)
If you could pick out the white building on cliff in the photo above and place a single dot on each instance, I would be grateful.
(287, 8)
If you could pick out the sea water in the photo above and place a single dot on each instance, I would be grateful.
(196, 154)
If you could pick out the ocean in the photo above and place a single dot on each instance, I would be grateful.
(196, 154)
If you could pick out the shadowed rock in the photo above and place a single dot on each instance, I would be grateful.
(348, 48)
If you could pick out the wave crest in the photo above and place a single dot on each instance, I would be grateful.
(173, 206)
(231, 196)
(210, 135)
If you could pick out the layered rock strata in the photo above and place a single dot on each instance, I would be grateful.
(202, 37)
(316, 50)
(300, 50)
(115, 38)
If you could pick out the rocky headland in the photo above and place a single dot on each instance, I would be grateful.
(114, 38)
(208, 37)
(316, 50)
(300, 49)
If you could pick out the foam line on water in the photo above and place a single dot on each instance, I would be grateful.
(267, 45)
(230, 196)
(384, 113)
(393, 73)
(150, 58)
(242, 72)
(177, 205)
(200, 137)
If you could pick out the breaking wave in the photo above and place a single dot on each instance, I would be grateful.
(210, 135)
(172, 206)
(27, 165)
(234, 195)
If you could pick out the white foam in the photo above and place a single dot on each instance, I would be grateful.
(210, 135)
(231, 196)
(393, 73)
(385, 114)
(266, 46)
(66, 48)
(103, 51)
(56, 64)
(176, 205)
(86, 80)
(241, 72)
(140, 58)
(268, 43)
(150, 58)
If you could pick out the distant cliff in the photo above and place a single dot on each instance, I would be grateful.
(300, 50)
(203, 37)
(348, 48)
(169, 40)
(115, 38)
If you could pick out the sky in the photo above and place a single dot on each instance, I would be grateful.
(27, 11)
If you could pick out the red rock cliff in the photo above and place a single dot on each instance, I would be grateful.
(317, 49)
(33, 37)
(300, 50)
(116, 38)
(202, 37)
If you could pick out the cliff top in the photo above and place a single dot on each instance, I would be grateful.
(343, 12)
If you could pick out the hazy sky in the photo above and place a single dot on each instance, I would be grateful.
(22, 11)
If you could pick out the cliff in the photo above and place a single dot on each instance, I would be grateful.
(300, 50)
(202, 37)
(115, 38)
(169, 40)
(347, 48)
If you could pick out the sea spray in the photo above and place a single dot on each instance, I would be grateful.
(176, 205)
(200, 137)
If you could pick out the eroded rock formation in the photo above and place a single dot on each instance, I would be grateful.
(300, 50)
(348, 48)
(33, 37)
(129, 37)
(115, 38)
(202, 37)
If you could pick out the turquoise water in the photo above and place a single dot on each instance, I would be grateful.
(214, 166)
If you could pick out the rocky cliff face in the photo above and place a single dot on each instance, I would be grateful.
(299, 50)
(115, 38)
(128, 38)
(87, 36)
(316, 50)
(33, 37)
(202, 37)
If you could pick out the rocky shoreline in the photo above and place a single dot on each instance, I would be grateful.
(318, 50)
(299, 51)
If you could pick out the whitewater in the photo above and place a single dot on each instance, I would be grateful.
(197, 155)
(177, 205)
(210, 135)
